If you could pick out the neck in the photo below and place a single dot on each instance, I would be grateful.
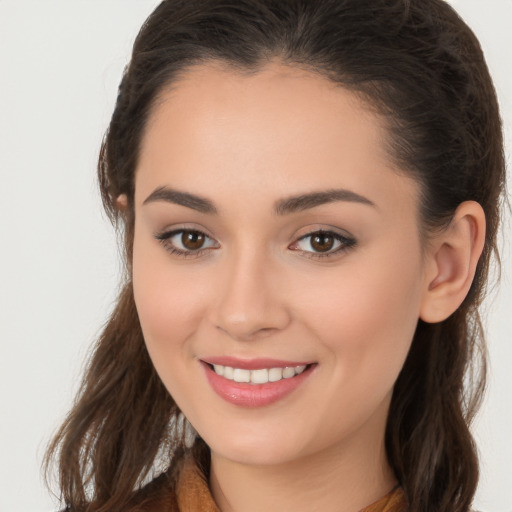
(342, 479)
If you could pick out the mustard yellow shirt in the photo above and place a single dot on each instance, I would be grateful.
(193, 494)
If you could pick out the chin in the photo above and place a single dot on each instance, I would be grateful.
(267, 450)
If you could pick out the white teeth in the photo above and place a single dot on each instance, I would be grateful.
(219, 370)
(300, 369)
(228, 372)
(275, 374)
(260, 376)
(240, 375)
(288, 372)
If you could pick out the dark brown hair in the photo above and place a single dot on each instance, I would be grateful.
(419, 65)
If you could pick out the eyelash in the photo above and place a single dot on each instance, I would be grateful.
(346, 243)
(164, 239)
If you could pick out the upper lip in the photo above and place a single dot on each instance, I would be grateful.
(252, 364)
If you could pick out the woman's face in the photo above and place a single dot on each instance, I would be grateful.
(272, 231)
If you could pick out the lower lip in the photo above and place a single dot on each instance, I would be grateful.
(253, 395)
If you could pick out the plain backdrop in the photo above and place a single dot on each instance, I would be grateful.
(60, 64)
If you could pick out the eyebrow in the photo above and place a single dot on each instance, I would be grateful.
(312, 199)
(282, 207)
(192, 201)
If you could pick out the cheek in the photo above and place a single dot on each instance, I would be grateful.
(366, 314)
(168, 304)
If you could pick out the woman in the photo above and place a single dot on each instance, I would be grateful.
(309, 192)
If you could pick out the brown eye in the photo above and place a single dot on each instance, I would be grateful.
(322, 242)
(192, 240)
(186, 242)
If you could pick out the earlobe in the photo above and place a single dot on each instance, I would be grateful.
(452, 263)
(122, 202)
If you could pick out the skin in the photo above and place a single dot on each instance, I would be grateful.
(243, 143)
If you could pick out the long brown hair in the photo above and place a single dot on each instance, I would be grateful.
(419, 65)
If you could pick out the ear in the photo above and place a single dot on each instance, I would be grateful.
(451, 262)
(122, 202)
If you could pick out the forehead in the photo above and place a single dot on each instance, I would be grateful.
(278, 128)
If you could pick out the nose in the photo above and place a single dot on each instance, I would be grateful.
(250, 302)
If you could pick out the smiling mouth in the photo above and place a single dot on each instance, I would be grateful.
(261, 383)
(259, 376)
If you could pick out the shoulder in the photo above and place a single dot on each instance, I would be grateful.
(159, 495)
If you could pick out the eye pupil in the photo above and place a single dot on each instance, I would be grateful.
(322, 242)
(192, 240)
